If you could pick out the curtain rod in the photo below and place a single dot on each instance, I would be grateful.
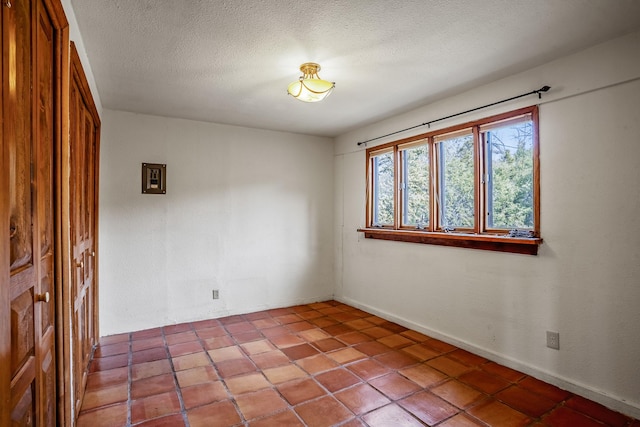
(538, 91)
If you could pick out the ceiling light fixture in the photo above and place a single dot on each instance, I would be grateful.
(310, 87)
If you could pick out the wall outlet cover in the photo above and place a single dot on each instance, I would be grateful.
(553, 340)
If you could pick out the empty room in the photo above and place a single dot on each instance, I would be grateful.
(290, 213)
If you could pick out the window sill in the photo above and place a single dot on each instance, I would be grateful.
(528, 246)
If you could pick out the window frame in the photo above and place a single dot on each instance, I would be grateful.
(480, 236)
(371, 193)
(402, 186)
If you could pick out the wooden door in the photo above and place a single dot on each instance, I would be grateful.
(83, 151)
(30, 133)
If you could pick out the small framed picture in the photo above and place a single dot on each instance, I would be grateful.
(154, 178)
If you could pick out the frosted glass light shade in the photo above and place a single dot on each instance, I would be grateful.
(310, 87)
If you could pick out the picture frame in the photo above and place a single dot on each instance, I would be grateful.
(154, 178)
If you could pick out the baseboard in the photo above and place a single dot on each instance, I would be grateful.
(262, 307)
(216, 314)
(611, 402)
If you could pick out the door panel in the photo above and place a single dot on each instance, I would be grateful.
(22, 337)
(23, 261)
(83, 153)
(29, 135)
(44, 127)
(45, 136)
(18, 130)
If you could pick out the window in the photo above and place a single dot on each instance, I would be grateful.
(509, 175)
(456, 199)
(416, 210)
(383, 197)
(474, 185)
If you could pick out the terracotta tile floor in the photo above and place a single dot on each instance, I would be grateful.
(319, 364)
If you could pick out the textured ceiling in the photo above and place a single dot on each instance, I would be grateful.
(230, 61)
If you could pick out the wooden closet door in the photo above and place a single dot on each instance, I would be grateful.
(84, 139)
(29, 135)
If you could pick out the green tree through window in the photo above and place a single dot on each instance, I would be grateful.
(510, 176)
(383, 175)
(415, 183)
(456, 182)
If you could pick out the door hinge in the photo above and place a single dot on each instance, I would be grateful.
(7, 3)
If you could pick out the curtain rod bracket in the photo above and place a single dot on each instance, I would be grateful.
(428, 124)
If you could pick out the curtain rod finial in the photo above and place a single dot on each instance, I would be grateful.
(542, 89)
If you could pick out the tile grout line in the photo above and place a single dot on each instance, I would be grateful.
(129, 377)
(231, 396)
(273, 386)
(341, 365)
(313, 378)
(183, 409)
(290, 406)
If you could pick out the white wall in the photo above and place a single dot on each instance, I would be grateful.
(248, 212)
(585, 282)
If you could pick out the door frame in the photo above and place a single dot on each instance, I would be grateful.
(75, 71)
(61, 139)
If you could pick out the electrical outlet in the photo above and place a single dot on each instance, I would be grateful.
(216, 294)
(553, 340)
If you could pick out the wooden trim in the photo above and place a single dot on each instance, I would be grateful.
(78, 70)
(369, 189)
(397, 167)
(401, 190)
(5, 308)
(433, 201)
(61, 39)
(63, 406)
(478, 170)
(402, 149)
(65, 409)
(458, 133)
(536, 170)
(413, 144)
(506, 122)
(369, 196)
(471, 241)
(96, 234)
(56, 12)
(437, 198)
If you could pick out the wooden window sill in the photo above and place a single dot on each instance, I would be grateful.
(528, 246)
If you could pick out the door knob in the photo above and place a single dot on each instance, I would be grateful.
(7, 3)
(80, 264)
(93, 253)
(43, 297)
